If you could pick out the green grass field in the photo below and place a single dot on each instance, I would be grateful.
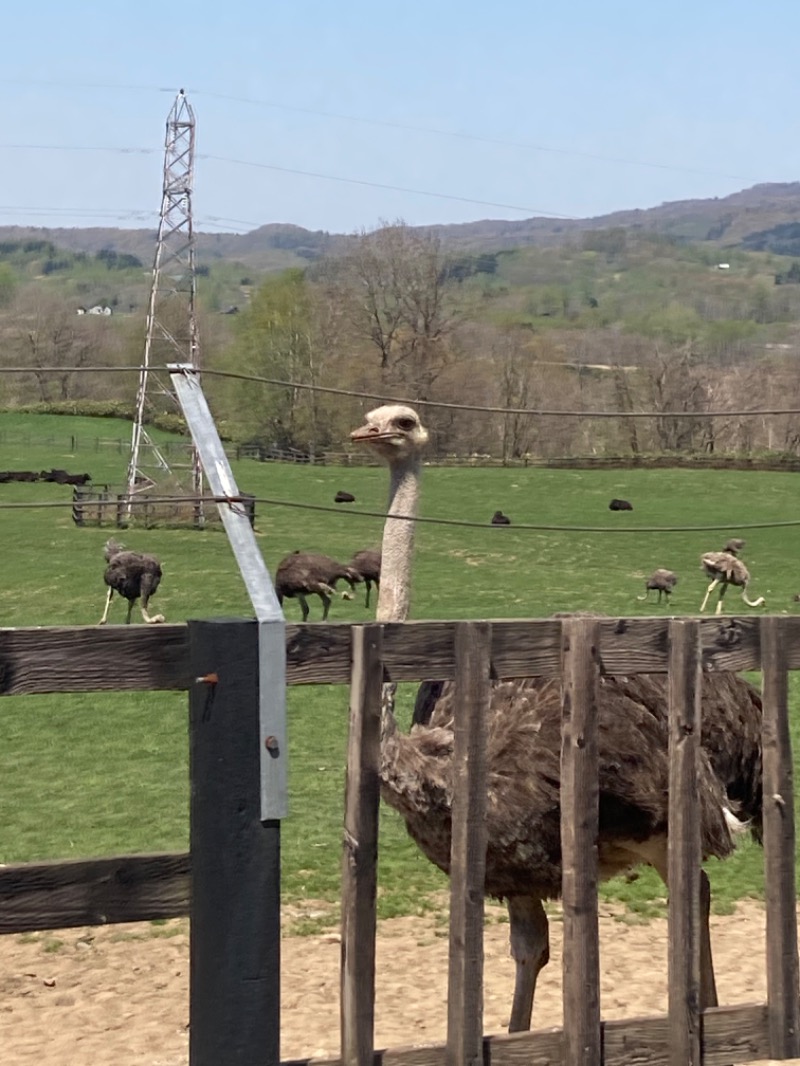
(100, 774)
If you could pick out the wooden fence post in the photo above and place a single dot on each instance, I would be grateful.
(685, 844)
(783, 985)
(234, 994)
(360, 857)
(579, 827)
(473, 691)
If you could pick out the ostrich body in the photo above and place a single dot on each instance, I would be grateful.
(344, 497)
(500, 519)
(132, 575)
(725, 569)
(734, 545)
(368, 564)
(304, 574)
(661, 581)
(523, 860)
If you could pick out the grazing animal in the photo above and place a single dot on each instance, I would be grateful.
(620, 505)
(662, 581)
(523, 860)
(303, 574)
(499, 519)
(368, 564)
(344, 497)
(132, 575)
(725, 569)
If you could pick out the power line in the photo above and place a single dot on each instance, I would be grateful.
(349, 514)
(532, 412)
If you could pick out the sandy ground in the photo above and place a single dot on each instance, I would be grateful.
(120, 995)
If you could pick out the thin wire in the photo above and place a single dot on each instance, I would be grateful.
(533, 412)
(459, 522)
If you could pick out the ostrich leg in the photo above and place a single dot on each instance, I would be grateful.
(102, 621)
(709, 590)
(530, 949)
(130, 612)
(722, 592)
(303, 605)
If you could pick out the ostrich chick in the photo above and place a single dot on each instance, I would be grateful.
(132, 575)
(725, 569)
(661, 581)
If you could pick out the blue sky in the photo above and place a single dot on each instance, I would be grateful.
(572, 109)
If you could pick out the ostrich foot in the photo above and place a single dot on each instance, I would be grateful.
(347, 595)
(154, 619)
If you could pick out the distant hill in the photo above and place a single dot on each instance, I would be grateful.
(765, 217)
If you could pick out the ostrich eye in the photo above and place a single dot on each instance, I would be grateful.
(405, 423)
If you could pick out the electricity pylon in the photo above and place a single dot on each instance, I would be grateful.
(171, 335)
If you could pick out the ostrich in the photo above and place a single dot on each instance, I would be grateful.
(131, 575)
(344, 497)
(523, 861)
(662, 581)
(303, 574)
(620, 505)
(725, 569)
(368, 564)
(499, 519)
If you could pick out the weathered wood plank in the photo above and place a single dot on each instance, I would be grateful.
(93, 659)
(783, 973)
(234, 932)
(473, 693)
(79, 659)
(731, 1036)
(579, 827)
(123, 888)
(685, 844)
(735, 1034)
(360, 849)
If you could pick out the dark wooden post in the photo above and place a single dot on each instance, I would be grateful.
(579, 827)
(783, 983)
(685, 845)
(473, 644)
(234, 994)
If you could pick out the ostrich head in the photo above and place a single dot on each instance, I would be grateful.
(394, 431)
(111, 548)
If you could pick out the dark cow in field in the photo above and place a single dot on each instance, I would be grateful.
(620, 505)
(62, 477)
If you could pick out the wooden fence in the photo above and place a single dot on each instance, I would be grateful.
(104, 505)
(234, 901)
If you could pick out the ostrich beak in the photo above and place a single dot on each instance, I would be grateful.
(367, 434)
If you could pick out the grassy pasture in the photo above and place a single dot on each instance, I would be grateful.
(100, 774)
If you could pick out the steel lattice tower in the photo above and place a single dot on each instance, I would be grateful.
(171, 335)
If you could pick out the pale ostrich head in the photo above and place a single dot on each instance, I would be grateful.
(394, 431)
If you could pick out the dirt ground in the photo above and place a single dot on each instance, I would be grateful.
(119, 996)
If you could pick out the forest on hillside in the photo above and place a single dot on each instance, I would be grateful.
(614, 320)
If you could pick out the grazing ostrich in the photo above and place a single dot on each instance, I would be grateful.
(499, 519)
(725, 569)
(523, 860)
(303, 574)
(131, 575)
(620, 505)
(344, 497)
(663, 581)
(368, 564)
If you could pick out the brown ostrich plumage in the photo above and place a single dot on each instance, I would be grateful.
(367, 564)
(304, 574)
(132, 575)
(523, 862)
(661, 581)
(724, 569)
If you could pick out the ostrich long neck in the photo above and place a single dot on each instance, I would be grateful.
(398, 543)
(396, 559)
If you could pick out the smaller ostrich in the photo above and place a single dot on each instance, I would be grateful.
(500, 519)
(132, 575)
(368, 564)
(344, 497)
(620, 505)
(725, 569)
(303, 574)
(662, 581)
